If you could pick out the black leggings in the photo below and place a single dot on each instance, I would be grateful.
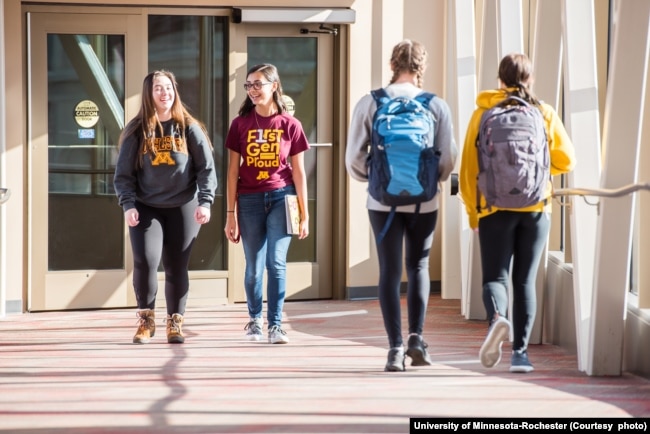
(415, 232)
(168, 233)
(520, 237)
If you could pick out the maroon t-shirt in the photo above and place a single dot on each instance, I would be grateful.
(265, 145)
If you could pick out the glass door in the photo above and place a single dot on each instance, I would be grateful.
(305, 63)
(78, 97)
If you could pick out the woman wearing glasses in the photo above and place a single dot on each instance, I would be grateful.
(266, 148)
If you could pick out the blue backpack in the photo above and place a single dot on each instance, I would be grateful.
(403, 161)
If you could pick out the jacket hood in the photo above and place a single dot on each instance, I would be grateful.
(489, 98)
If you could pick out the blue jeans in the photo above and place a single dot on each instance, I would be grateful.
(263, 229)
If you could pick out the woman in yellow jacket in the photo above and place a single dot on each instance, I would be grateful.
(511, 234)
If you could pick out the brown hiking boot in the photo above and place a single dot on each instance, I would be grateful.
(174, 332)
(146, 326)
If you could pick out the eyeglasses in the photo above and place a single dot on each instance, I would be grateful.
(256, 85)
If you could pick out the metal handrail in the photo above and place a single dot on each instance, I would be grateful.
(603, 192)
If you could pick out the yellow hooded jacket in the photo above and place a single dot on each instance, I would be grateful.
(560, 147)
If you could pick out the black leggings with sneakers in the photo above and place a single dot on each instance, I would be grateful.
(415, 233)
(517, 237)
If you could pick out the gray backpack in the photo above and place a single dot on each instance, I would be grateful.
(513, 155)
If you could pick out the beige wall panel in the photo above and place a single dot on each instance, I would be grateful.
(362, 262)
(15, 157)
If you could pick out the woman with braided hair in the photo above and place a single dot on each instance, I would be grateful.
(409, 229)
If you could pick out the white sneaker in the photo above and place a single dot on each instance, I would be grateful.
(490, 352)
(254, 329)
(277, 335)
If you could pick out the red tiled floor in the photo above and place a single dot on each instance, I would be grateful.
(77, 372)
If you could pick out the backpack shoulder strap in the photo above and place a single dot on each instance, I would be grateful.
(425, 98)
(380, 95)
(389, 220)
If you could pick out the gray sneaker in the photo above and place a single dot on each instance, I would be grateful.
(490, 352)
(277, 335)
(395, 360)
(254, 329)
(520, 363)
(417, 351)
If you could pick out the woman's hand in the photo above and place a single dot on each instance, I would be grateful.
(132, 217)
(202, 215)
(232, 228)
(304, 229)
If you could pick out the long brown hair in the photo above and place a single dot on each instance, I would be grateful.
(270, 73)
(516, 71)
(409, 56)
(146, 122)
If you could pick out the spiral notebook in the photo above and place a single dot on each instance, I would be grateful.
(293, 214)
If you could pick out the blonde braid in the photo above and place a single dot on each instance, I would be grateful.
(409, 56)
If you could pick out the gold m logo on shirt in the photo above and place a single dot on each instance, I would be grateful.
(163, 158)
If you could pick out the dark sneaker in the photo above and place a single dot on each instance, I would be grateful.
(395, 360)
(490, 352)
(520, 363)
(254, 329)
(277, 335)
(417, 351)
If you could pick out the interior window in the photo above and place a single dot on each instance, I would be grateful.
(193, 47)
